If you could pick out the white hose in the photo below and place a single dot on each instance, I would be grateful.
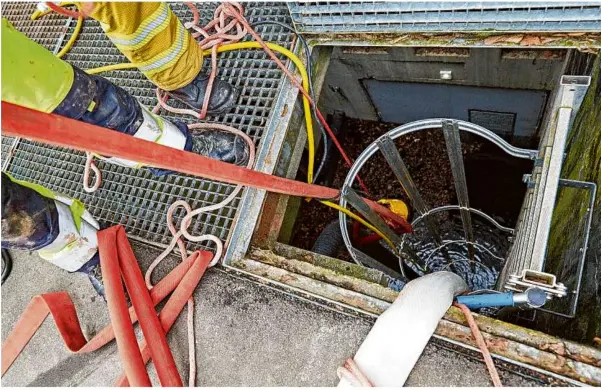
(399, 336)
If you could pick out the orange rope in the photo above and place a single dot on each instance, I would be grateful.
(490, 365)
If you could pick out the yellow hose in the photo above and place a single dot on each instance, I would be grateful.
(255, 45)
(306, 106)
(108, 68)
(37, 14)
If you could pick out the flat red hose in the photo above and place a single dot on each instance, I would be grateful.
(64, 11)
(61, 131)
(117, 259)
(125, 337)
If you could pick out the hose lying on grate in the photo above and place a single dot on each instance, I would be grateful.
(307, 101)
(64, 11)
(214, 41)
(215, 44)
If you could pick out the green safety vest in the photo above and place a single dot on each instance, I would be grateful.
(32, 76)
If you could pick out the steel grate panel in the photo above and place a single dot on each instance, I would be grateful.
(400, 17)
(46, 33)
(7, 145)
(134, 197)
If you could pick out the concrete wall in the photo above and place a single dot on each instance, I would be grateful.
(344, 89)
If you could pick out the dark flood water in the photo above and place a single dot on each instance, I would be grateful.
(480, 271)
(495, 187)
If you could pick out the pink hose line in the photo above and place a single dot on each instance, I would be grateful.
(481, 343)
(351, 372)
(90, 166)
(183, 231)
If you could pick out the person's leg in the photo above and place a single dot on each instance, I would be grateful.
(57, 227)
(29, 220)
(151, 36)
(35, 78)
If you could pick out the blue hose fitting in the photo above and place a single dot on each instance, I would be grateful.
(531, 298)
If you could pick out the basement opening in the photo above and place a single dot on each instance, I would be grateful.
(513, 94)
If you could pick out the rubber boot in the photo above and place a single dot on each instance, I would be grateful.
(94, 99)
(223, 94)
(57, 227)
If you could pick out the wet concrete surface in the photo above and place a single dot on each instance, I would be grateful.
(247, 335)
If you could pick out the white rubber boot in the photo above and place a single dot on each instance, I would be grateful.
(76, 242)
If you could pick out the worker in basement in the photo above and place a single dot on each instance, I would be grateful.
(149, 34)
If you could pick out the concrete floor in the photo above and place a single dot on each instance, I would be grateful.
(247, 335)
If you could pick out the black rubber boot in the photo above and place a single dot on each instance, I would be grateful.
(221, 145)
(223, 95)
(29, 220)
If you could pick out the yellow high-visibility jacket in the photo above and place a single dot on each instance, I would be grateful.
(151, 36)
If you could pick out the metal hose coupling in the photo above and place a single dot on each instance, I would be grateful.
(531, 298)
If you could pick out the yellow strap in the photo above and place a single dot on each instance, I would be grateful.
(50, 255)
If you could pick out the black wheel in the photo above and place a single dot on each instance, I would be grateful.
(7, 264)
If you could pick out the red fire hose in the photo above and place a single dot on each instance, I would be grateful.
(57, 130)
(118, 261)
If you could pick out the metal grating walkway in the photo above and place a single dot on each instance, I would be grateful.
(336, 17)
(134, 197)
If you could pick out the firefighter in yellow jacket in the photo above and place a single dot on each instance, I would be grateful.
(150, 35)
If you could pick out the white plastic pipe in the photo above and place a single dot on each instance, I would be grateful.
(399, 336)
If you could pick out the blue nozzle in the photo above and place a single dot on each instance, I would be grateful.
(533, 298)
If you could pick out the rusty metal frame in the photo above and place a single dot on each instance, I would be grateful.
(587, 42)
(550, 356)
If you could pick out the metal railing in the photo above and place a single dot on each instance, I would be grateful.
(526, 260)
(385, 144)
